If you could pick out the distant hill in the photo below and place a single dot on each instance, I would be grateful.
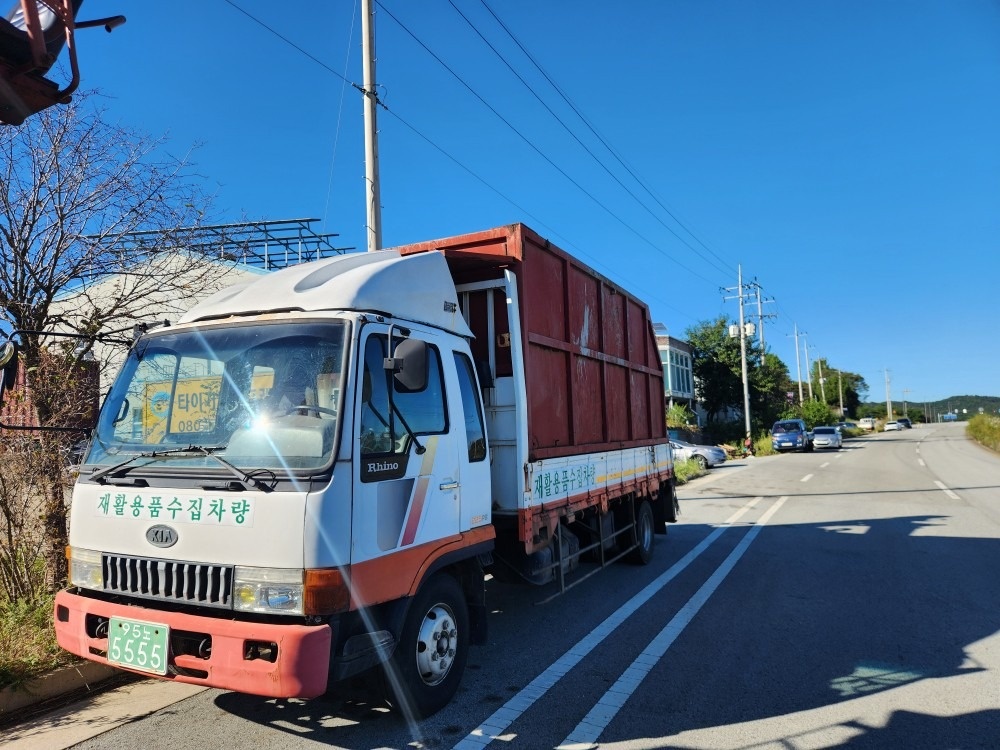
(965, 407)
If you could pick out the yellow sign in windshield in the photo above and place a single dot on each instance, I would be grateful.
(195, 404)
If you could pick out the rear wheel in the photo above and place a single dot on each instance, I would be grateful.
(702, 462)
(642, 534)
(429, 660)
(671, 505)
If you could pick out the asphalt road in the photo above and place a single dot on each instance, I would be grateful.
(845, 599)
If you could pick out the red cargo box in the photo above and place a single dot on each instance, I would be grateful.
(593, 376)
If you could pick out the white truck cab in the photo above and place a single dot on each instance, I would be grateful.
(291, 465)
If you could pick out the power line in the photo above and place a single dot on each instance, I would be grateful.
(569, 130)
(603, 141)
(534, 147)
(539, 222)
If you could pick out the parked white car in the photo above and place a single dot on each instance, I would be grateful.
(890, 426)
(827, 437)
(706, 455)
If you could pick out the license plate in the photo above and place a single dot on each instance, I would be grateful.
(138, 645)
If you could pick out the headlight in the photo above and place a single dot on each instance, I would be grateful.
(278, 590)
(85, 568)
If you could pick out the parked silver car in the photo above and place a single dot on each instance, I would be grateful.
(827, 437)
(706, 455)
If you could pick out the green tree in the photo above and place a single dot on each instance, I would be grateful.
(817, 413)
(715, 361)
(836, 381)
(770, 384)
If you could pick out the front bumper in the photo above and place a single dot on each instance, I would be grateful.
(298, 666)
(788, 445)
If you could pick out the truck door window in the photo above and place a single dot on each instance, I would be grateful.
(382, 429)
(474, 432)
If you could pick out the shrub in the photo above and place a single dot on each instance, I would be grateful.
(28, 645)
(985, 430)
(687, 470)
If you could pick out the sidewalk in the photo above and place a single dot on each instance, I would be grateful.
(94, 712)
(80, 677)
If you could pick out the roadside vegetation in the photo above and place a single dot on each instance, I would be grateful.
(28, 646)
(985, 430)
(27, 638)
(687, 470)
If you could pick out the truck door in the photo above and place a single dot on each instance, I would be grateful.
(407, 473)
(475, 494)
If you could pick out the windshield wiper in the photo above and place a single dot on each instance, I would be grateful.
(236, 471)
(204, 450)
(101, 473)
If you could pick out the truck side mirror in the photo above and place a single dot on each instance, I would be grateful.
(8, 367)
(409, 365)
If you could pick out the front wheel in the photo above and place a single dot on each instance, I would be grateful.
(429, 660)
(702, 462)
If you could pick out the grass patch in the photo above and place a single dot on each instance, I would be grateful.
(28, 647)
(985, 430)
(688, 469)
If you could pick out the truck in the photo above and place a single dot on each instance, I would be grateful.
(310, 475)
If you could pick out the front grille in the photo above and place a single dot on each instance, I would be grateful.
(182, 582)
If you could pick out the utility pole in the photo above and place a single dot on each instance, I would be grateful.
(888, 399)
(840, 387)
(372, 196)
(822, 387)
(798, 366)
(740, 292)
(809, 374)
(905, 391)
(761, 315)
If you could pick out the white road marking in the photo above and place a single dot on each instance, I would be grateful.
(823, 466)
(945, 490)
(806, 478)
(921, 462)
(511, 711)
(594, 723)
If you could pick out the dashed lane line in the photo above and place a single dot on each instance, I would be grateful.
(945, 490)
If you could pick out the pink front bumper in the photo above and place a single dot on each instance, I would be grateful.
(300, 670)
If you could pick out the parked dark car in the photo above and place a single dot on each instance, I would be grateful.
(905, 423)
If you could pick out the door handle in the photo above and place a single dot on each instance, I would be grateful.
(449, 484)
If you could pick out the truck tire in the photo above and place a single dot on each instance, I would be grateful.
(642, 534)
(672, 507)
(428, 662)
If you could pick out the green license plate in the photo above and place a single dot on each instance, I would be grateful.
(138, 645)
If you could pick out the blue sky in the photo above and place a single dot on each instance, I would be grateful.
(846, 153)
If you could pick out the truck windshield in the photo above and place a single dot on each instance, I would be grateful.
(259, 396)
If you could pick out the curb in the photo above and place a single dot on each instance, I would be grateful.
(85, 675)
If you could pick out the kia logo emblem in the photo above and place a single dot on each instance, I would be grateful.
(161, 536)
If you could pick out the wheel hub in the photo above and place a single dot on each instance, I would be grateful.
(437, 642)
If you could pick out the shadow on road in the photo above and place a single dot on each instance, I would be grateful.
(814, 615)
